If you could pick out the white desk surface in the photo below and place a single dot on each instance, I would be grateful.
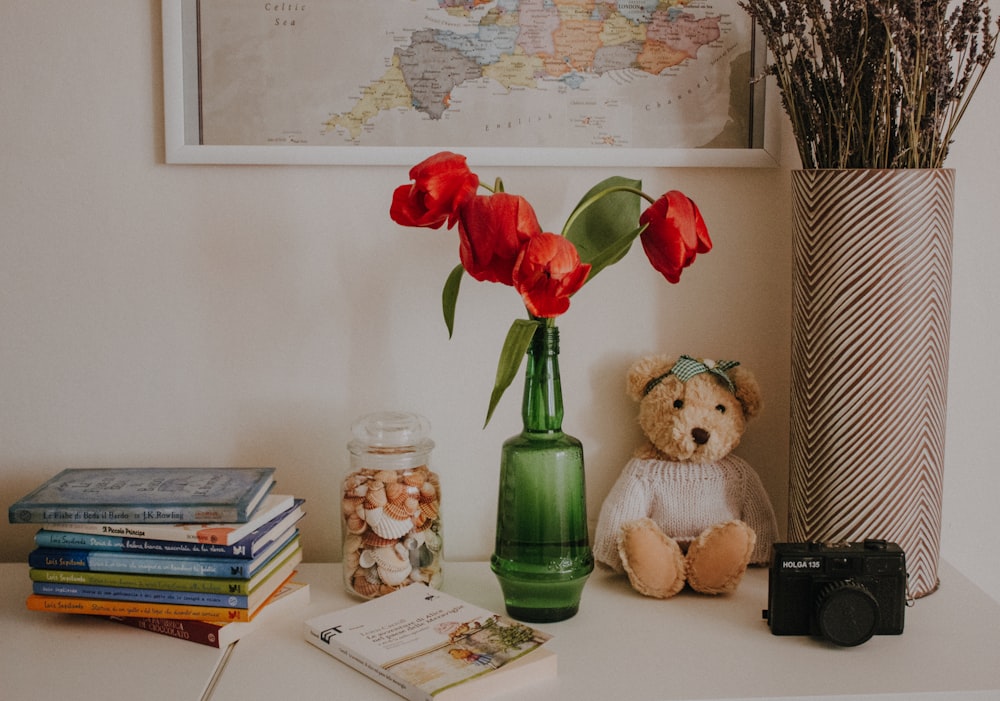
(621, 646)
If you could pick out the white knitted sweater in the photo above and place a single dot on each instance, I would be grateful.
(684, 499)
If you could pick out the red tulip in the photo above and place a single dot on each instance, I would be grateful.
(675, 233)
(547, 272)
(491, 231)
(440, 185)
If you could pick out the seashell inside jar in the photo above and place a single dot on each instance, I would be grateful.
(391, 506)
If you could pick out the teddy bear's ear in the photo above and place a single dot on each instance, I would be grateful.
(645, 369)
(747, 391)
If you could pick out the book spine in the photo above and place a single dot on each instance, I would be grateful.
(107, 607)
(199, 632)
(326, 642)
(103, 561)
(129, 514)
(170, 532)
(139, 581)
(68, 540)
(214, 534)
(153, 596)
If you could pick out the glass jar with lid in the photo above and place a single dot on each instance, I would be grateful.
(391, 506)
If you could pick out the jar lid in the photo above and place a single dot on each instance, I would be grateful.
(398, 431)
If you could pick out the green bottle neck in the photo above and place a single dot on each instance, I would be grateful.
(542, 405)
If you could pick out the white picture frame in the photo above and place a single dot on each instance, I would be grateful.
(181, 128)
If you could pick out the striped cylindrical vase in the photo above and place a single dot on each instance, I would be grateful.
(871, 304)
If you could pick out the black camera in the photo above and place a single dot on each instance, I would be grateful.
(844, 592)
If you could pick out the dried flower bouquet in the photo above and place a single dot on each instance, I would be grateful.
(875, 83)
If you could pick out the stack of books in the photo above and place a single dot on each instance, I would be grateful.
(158, 547)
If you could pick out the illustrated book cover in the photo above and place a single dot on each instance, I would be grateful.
(425, 644)
(146, 495)
(247, 548)
(271, 507)
(291, 595)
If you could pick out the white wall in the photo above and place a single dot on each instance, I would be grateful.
(224, 315)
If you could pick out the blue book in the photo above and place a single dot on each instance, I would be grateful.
(216, 585)
(146, 495)
(176, 565)
(291, 557)
(247, 548)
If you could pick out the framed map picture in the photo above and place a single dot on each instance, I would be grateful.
(506, 82)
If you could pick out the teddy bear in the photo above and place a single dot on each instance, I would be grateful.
(685, 509)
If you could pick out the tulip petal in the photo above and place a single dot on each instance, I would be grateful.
(547, 273)
(675, 233)
(441, 184)
(491, 230)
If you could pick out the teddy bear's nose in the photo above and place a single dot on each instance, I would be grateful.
(700, 435)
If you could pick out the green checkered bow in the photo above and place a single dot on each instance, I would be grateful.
(687, 367)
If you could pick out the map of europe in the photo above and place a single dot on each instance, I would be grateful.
(565, 73)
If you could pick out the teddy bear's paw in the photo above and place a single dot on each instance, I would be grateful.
(653, 561)
(717, 559)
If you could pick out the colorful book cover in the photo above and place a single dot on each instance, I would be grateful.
(174, 565)
(111, 607)
(219, 585)
(250, 600)
(425, 644)
(146, 495)
(290, 595)
(272, 506)
(247, 548)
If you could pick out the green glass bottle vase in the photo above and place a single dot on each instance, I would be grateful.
(542, 556)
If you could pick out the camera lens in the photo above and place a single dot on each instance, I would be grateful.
(846, 613)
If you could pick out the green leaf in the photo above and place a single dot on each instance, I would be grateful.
(514, 347)
(449, 297)
(603, 224)
(614, 252)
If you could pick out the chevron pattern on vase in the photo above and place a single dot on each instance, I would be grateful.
(871, 304)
